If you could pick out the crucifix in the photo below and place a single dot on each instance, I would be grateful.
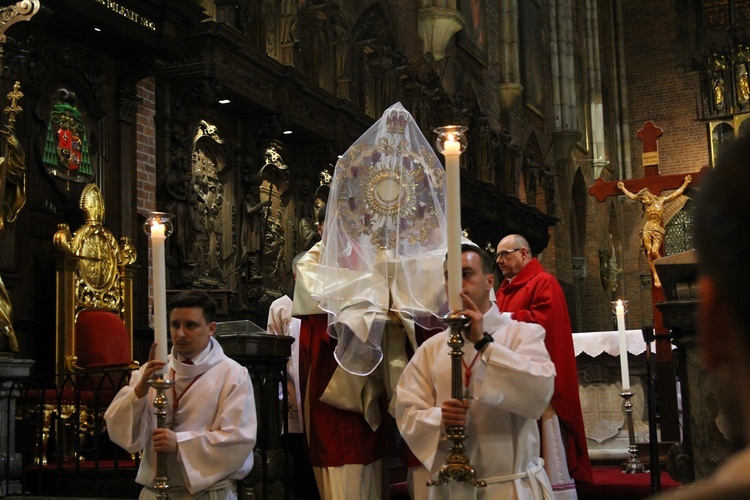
(647, 190)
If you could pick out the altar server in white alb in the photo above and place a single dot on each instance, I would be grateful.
(508, 382)
(211, 411)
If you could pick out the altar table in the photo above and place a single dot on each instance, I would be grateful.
(600, 385)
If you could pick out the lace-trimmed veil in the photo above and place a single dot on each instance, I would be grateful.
(385, 239)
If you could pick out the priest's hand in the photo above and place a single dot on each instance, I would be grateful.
(476, 327)
(165, 440)
(149, 369)
(454, 413)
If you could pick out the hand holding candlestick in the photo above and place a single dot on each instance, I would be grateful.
(161, 482)
(451, 142)
(158, 227)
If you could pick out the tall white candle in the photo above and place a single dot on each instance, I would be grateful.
(620, 313)
(452, 152)
(160, 289)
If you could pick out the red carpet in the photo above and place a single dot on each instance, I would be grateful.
(610, 483)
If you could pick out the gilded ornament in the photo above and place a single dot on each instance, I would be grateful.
(385, 198)
(98, 284)
(12, 200)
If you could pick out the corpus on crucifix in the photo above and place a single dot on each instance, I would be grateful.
(647, 190)
(652, 234)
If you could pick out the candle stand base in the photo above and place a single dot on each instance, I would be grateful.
(161, 482)
(456, 466)
(633, 464)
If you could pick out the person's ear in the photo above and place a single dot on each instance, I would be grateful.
(490, 281)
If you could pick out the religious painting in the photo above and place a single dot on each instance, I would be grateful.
(473, 36)
(530, 20)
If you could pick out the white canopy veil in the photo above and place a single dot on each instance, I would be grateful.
(385, 239)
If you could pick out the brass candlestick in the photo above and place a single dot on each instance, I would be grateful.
(161, 482)
(633, 464)
(456, 465)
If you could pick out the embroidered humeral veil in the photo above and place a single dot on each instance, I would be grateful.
(384, 241)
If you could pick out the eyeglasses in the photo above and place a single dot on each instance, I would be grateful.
(505, 253)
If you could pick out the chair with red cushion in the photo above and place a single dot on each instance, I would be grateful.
(94, 341)
(94, 293)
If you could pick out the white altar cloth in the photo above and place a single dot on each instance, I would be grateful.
(595, 343)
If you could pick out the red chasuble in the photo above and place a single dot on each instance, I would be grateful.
(335, 437)
(535, 296)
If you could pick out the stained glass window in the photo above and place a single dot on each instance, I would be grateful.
(679, 236)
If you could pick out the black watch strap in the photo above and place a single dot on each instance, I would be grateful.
(485, 340)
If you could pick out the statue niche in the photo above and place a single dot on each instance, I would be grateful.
(273, 188)
(206, 206)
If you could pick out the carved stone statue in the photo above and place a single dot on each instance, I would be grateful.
(743, 88)
(178, 183)
(717, 65)
(289, 30)
(652, 235)
(718, 91)
(12, 200)
(252, 231)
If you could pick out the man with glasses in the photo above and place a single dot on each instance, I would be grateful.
(532, 295)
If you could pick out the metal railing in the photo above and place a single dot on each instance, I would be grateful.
(56, 441)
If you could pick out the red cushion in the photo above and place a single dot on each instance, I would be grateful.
(101, 339)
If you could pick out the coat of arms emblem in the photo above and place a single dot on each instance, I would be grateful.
(66, 150)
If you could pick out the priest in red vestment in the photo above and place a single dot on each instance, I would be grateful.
(345, 450)
(533, 295)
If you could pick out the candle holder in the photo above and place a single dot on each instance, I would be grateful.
(624, 304)
(155, 218)
(161, 482)
(633, 464)
(455, 133)
(456, 467)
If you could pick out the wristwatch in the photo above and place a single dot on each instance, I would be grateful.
(485, 340)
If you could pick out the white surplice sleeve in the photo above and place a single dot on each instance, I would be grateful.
(225, 447)
(280, 316)
(520, 375)
(417, 411)
(128, 419)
